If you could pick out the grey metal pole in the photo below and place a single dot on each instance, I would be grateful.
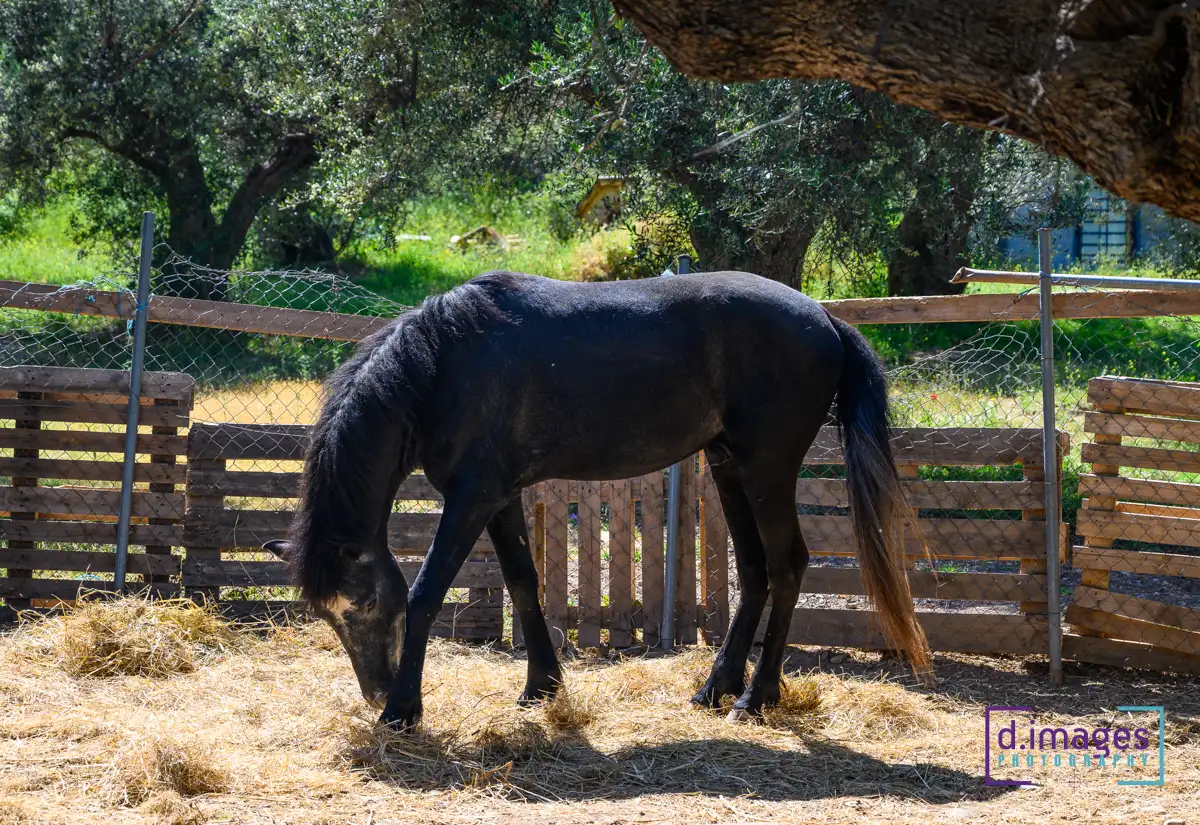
(135, 394)
(1053, 497)
(674, 477)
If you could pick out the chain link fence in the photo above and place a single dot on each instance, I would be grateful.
(248, 371)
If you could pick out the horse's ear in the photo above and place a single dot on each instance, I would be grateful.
(282, 549)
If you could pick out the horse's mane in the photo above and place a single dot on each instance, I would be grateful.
(368, 428)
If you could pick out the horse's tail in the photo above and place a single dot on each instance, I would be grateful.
(879, 510)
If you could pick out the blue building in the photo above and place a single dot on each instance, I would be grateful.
(1116, 233)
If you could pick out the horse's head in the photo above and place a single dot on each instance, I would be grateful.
(367, 612)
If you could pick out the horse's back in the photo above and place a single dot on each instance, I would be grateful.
(722, 298)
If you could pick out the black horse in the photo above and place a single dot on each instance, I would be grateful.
(513, 379)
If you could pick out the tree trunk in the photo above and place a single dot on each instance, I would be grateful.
(936, 228)
(194, 233)
(923, 263)
(776, 255)
(190, 233)
(1114, 86)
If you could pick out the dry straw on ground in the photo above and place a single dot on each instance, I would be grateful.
(132, 637)
(268, 726)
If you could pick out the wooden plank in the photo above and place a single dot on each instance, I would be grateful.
(961, 632)
(283, 442)
(620, 564)
(943, 446)
(85, 501)
(1132, 607)
(407, 532)
(1120, 653)
(1142, 395)
(173, 385)
(93, 532)
(1115, 487)
(588, 496)
(653, 558)
(96, 561)
(686, 592)
(1000, 539)
(84, 300)
(92, 413)
(1137, 561)
(1148, 458)
(72, 589)
(1192, 513)
(715, 548)
(90, 442)
(1138, 527)
(556, 560)
(945, 495)
(272, 484)
(996, 587)
(72, 470)
(201, 507)
(344, 327)
(1013, 306)
(1140, 426)
(23, 481)
(1134, 630)
(163, 488)
(205, 572)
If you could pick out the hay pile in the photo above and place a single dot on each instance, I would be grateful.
(270, 727)
(133, 637)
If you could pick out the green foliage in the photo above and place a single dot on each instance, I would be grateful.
(211, 109)
(804, 182)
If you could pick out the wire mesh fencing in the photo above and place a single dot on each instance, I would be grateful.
(219, 462)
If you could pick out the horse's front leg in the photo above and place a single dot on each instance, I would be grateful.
(463, 518)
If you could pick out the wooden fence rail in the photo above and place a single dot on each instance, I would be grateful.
(303, 323)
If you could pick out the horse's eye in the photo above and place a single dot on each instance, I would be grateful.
(370, 606)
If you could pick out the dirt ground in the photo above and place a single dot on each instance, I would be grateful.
(238, 727)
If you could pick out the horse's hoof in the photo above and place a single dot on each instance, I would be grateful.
(740, 715)
(403, 718)
(706, 699)
(534, 696)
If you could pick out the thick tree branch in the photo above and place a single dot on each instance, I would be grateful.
(1113, 84)
(123, 150)
(263, 181)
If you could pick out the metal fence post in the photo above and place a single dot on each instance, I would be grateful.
(1050, 458)
(135, 394)
(674, 479)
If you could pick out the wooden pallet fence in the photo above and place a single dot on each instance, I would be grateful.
(62, 439)
(241, 487)
(965, 524)
(589, 534)
(1140, 517)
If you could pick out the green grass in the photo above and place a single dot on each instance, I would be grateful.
(47, 254)
(412, 269)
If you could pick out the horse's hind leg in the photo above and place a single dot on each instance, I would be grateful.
(728, 675)
(773, 499)
(511, 541)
